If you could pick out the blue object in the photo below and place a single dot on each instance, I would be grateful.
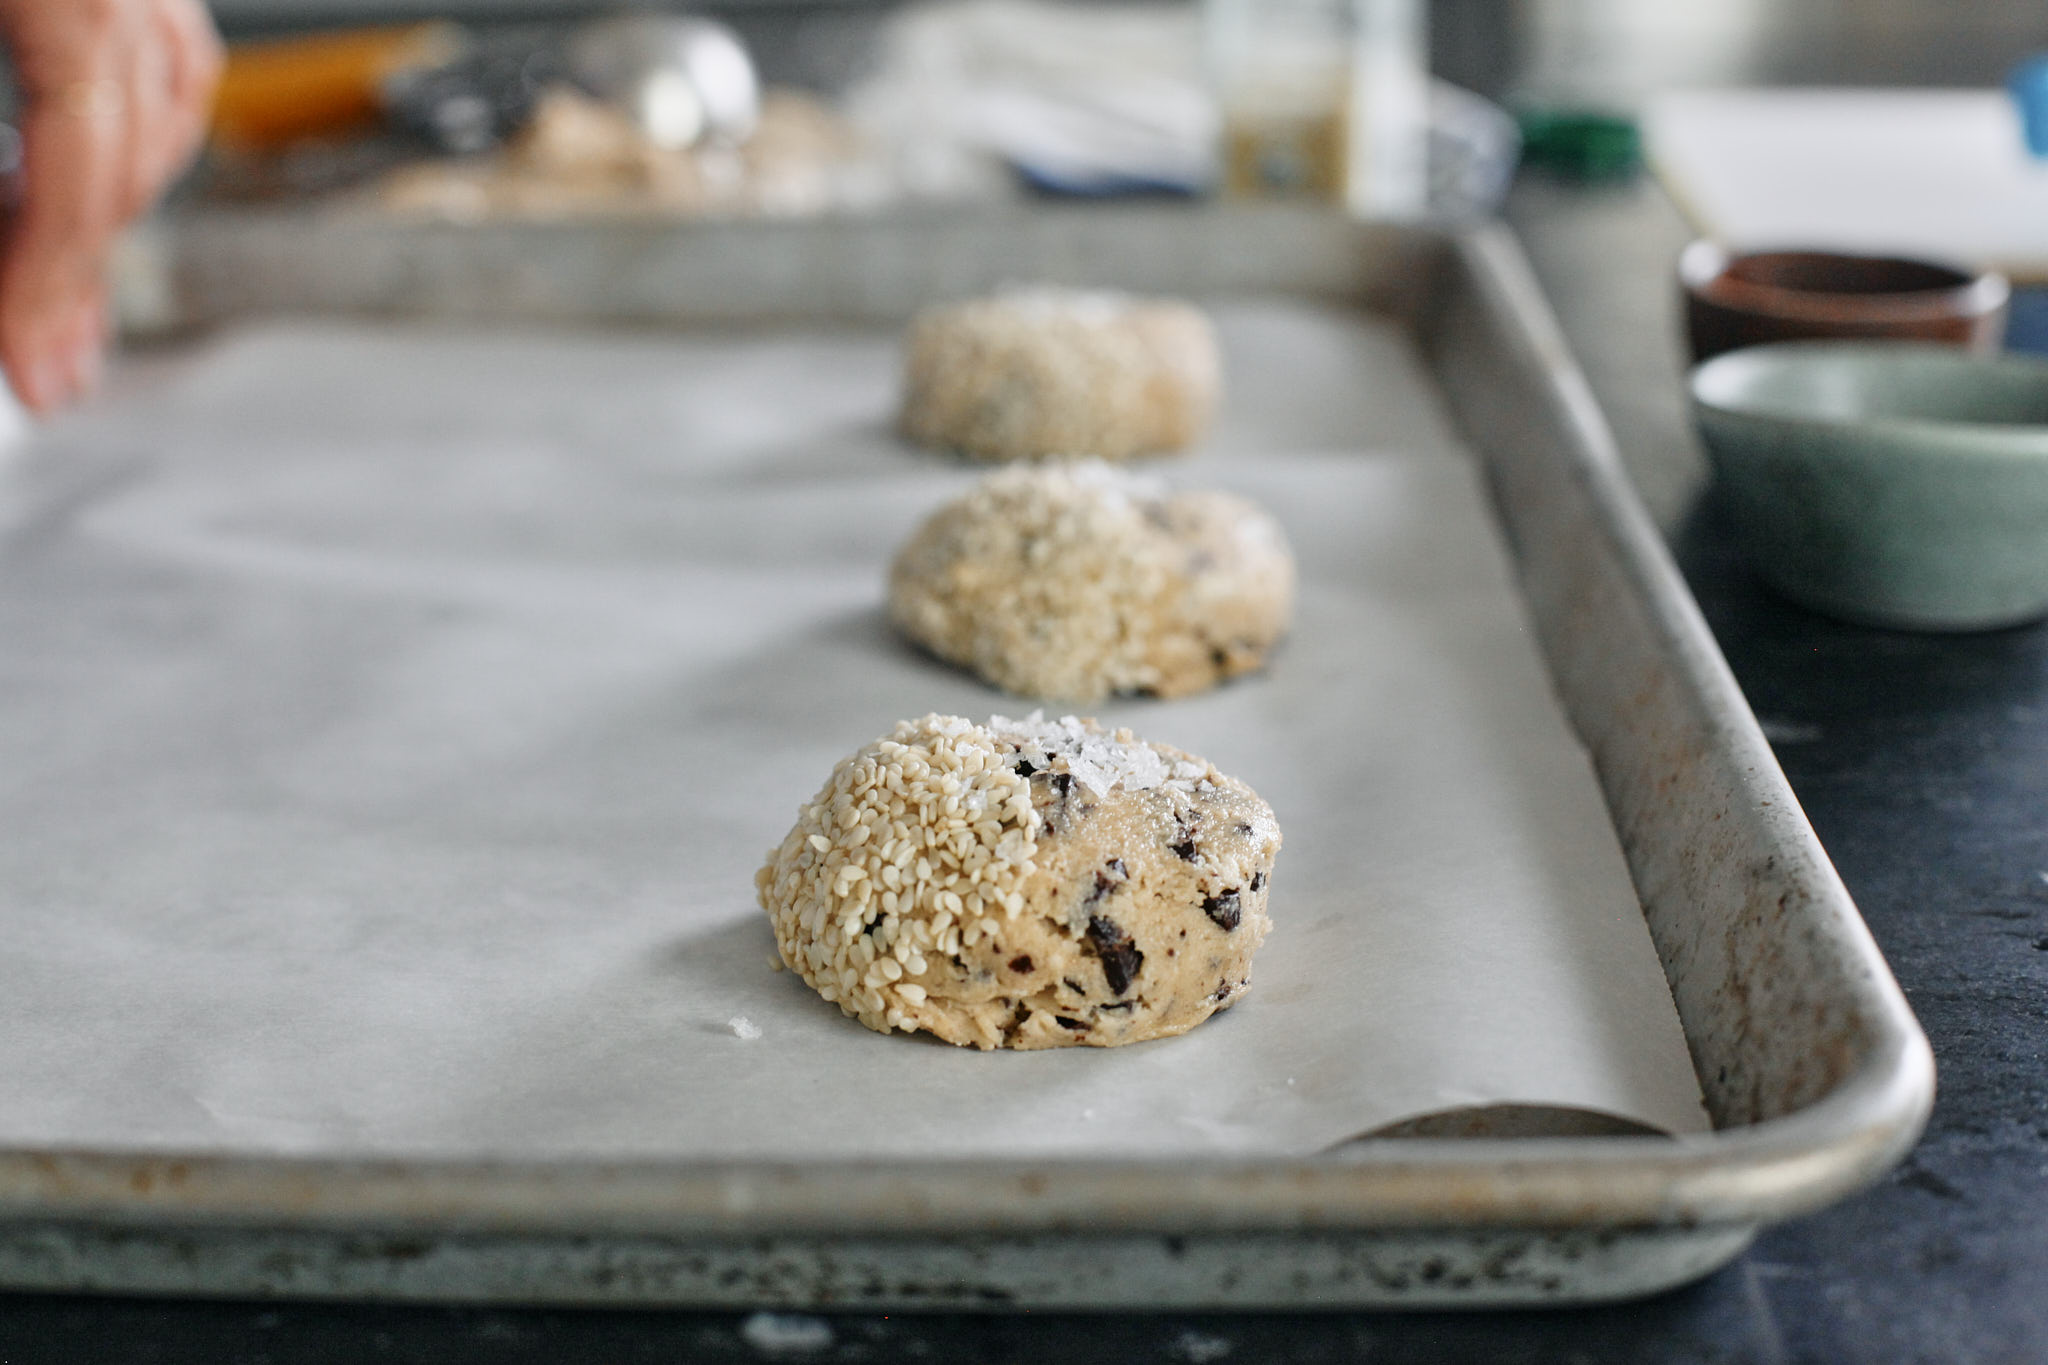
(2029, 86)
(1103, 186)
(2026, 327)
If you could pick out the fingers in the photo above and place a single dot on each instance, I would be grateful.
(73, 196)
(116, 96)
(84, 343)
(174, 82)
(144, 73)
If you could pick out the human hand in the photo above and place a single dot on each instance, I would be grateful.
(114, 101)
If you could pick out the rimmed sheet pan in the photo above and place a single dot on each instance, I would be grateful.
(1811, 1068)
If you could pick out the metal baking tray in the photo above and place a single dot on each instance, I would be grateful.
(1813, 1068)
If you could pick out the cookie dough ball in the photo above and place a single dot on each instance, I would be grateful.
(1032, 373)
(1075, 581)
(1024, 884)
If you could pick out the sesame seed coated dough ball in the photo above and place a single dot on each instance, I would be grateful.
(1076, 581)
(1024, 884)
(1031, 373)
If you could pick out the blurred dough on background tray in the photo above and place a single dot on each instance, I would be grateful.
(582, 158)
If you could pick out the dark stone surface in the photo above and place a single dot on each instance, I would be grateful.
(1923, 764)
(1922, 761)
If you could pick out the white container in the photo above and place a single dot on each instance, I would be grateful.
(1323, 99)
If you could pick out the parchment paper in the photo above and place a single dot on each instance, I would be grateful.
(393, 720)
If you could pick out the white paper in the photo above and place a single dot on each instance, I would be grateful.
(394, 718)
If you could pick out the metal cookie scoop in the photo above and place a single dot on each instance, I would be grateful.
(684, 80)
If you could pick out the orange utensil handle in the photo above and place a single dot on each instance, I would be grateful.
(281, 90)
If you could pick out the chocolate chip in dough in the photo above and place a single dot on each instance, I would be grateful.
(1224, 909)
(1120, 957)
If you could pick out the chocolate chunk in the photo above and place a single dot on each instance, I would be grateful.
(1075, 1024)
(1118, 1007)
(1219, 658)
(1224, 909)
(1112, 876)
(1243, 828)
(1025, 767)
(1021, 963)
(1060, 815)
(1223, 991)
(1072, 985)
(1184, 847)
(1258, 881)
(1120, 957)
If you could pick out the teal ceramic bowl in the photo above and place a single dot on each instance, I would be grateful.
(1893, 484)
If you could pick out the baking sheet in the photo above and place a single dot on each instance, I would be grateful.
(396, 718)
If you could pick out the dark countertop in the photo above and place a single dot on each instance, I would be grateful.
(1922, 762)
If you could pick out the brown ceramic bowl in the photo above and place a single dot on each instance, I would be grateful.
(1763, 296)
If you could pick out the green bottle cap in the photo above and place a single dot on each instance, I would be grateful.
(1581, 144)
